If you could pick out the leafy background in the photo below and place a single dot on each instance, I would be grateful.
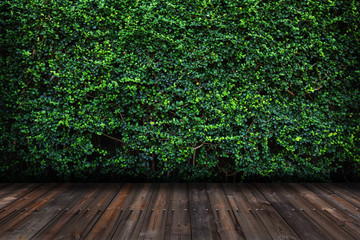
(179, 90)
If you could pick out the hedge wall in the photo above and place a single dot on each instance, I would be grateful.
(179, 90)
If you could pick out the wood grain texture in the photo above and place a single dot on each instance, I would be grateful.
(248, 220)
(178, 220)
(16, 192)
(68, 215)
(338, 216)
(226, 223)
(317, 218)
(154, 223)
(277, 227)
(9, 188)
(203, 225)
(85, 218)
(179, 211)
(296, 219)
(114, 212)
(346, 194)
(35, 221)
(130, 226)
(29, 203)
(338, 202)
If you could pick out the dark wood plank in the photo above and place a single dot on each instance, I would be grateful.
(226, 223)
(154, 223)
(110, 219)
(15, 193)
(6, 189)
(83, 219)
(32, 200)
(249, 221)
(296, 219)
(274, 223)
(338, 202)
(343, 193)
(130, 226)
(178, 220)
(339, 217)
(202, 220)
(30, 222)
(327, 227)
(354, 188)
(69, 214)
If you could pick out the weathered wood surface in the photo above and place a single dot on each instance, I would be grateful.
(179, 211)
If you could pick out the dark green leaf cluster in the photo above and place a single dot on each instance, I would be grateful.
(181, 90)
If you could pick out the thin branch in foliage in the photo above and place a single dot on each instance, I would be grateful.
(292, 94)
(113, 138)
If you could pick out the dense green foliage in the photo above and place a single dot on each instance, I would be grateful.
(182, 90)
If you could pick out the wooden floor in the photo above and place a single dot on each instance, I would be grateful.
(179, 211)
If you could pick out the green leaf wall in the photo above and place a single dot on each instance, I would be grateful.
(179, 90)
